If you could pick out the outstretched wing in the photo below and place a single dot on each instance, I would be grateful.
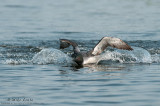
(109, 41)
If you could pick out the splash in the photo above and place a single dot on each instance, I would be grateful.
(51, 56)
(14, 61)
(55, 56)
(138, 55)
(156, 58)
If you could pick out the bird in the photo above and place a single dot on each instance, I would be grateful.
(91, 56)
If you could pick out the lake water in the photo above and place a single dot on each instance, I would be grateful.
(34, 71)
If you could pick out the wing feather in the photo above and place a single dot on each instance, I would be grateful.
(110, 41)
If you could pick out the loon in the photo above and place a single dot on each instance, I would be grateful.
(91, 57)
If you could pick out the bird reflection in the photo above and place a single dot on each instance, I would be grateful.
(107, 68)
(92, 68)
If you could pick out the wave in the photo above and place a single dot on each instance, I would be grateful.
(45, 56)
(40, 52)
(51, 56)
(138, 55)
(55, 56)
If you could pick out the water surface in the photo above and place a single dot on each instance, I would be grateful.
(34, 71)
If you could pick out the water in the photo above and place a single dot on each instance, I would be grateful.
(34, 71)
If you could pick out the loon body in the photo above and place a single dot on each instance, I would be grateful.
(90, 57)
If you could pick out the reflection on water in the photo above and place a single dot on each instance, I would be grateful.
(106, 68)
